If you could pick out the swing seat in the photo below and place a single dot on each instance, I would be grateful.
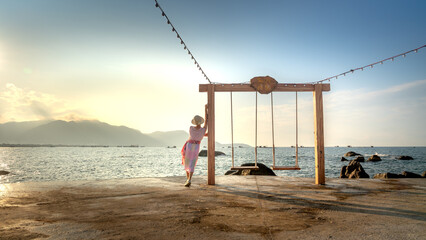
(285, 168)
(245, 168)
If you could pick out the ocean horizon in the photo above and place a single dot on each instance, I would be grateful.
(69, 163)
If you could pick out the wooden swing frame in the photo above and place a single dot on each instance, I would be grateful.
(317, 90)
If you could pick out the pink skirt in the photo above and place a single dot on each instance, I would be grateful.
(190, 154)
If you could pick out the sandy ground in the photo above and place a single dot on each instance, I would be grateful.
(238, 207)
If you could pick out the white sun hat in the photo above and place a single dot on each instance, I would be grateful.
(197, 120)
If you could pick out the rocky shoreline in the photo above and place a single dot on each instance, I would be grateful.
(355, 169)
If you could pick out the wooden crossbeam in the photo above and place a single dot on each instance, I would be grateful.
(281, 87)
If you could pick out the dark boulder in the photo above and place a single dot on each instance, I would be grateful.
(359, 159)
(374, 158)
(410, 174)
(404, 174)
(203, 153)
(351, 154)
(263, 170)
(343, 159)
(387, 175)
(404, 158)
(353, 170)
(343, 172)
(2, 172)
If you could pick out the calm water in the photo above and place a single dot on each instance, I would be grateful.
(86, 163)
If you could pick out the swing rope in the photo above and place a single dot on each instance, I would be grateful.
(255, 167)
(297, 136)
(296, 167)
(255, 137)
(273, 131)
(232, 133)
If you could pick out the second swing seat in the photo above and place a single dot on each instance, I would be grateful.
(245, 168)
(285, 168)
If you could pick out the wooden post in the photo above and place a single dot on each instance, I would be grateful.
(211, 136)
(319, 136)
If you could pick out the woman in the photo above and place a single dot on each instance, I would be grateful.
(192, 146)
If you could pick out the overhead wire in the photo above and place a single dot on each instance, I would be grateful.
(185, 47)
(369, 65)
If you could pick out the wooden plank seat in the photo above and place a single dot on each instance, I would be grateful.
(285, 168)
(245, 168)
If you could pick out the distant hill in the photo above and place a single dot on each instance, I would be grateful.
(172, 138)
(91, 133)
(11, 131)
(84, 133)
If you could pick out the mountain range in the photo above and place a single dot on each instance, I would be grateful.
(60, 132)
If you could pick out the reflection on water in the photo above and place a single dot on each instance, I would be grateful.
(86, 163)
(4, 189)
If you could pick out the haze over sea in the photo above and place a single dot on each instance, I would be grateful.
(29, 164)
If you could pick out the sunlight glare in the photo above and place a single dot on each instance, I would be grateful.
(3, 189)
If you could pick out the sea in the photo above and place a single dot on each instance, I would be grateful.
(44, 164)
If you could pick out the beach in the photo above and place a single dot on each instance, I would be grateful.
(237, 207)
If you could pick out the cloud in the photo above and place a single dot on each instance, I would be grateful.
(399, 88)
(340, 97)
(389, 116)
(18, 104)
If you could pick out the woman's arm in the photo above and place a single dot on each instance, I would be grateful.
(206, 116)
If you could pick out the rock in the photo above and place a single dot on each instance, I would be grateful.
(359, 159)
(404, 174)
(410, 175)
(343, 159)
(351, 154)
(353, 170)
(404, 158)
(343, 172)
(2, 172)
(424, 174)
(263, 170)
(374, 158)
(387, 175)
(203, 153)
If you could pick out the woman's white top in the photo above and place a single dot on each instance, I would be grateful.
(196, 134)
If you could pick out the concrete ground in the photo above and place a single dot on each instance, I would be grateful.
(238, 207)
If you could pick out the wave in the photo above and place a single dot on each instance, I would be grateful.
(381, 155)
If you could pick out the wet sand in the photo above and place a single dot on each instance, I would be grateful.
(238, 207)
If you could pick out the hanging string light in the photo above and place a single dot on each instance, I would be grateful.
(185, 47)
(370, 65)
(182, 42)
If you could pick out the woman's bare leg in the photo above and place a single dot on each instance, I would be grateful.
(190, 175)
(187, 175)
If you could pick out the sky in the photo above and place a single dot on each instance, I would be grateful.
(119, 62)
